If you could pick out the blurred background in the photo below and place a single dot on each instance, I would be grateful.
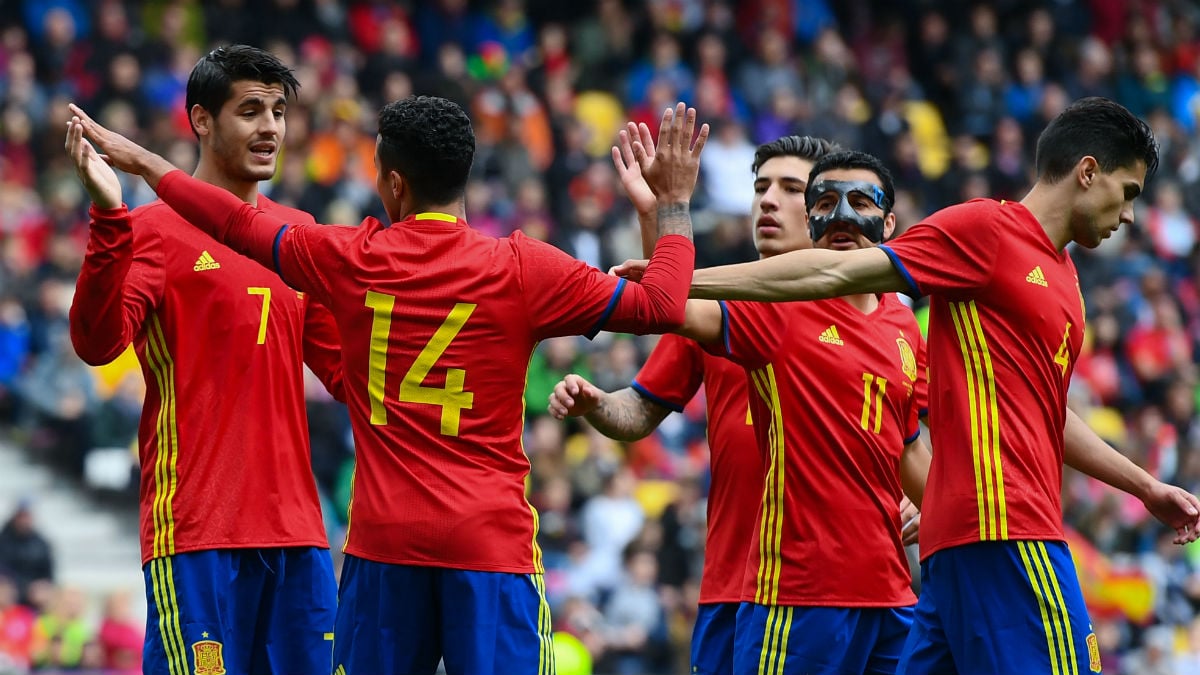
(951, 95)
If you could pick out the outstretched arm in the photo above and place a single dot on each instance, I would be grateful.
(623, 415)
(801, 275)
(258, 235)
(1085, 451)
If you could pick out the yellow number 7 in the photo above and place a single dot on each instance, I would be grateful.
(451, 397)
(266, 308)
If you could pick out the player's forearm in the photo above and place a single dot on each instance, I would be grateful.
(1085, 451)
(800, 275)
(627, 416)
(100, 327)
(914, 470)
(658, 303)
(223, 216)
(672, 218)
(648, 224)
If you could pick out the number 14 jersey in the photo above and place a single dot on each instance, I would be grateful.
(438, 323)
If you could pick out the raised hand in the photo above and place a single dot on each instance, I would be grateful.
(671, 169)
(630, 171)
(1176, 508)
(98, 178)
(121, 152)
(573, 397)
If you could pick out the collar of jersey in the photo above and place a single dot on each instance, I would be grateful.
(434, 215)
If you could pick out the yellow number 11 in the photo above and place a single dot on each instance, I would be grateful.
(450, 397)
(880, 390)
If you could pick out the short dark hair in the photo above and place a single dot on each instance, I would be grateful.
(804, 147)
(211, 82)
(853, 159)
(1098, 127)
(429, 141)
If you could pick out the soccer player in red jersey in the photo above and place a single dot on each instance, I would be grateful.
(999, 591)
(437, 324)
(235, 555)
(673, 374)
(808, 604)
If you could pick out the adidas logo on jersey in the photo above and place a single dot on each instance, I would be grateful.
(206, 262)
(1036, 277)
(830, 336)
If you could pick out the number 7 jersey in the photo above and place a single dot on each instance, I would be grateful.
(224, 448)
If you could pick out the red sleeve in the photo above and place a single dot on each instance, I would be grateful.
(952, 252)
(322, 348)
(568, 297)
(118, 286)
(300, 254)
(672, 374)
(753, 332)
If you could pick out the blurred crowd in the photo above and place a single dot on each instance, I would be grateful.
(951, 95)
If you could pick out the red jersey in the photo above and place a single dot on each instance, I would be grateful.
(834, 400)
(438, 323)
(225, 460)
(670, 377)
(1003, 338)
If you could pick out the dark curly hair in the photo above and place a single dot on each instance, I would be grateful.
(211, 82)
(429, 141)
(804, 147)
(1098, 127)
(853, 159)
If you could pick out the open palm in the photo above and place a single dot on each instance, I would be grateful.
(630, 169)
(97, 176)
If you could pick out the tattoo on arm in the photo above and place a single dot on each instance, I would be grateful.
(674, 218)
(626, 416)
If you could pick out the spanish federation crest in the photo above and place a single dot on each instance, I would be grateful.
(908, 360)
(208, 657)
(1093, 646)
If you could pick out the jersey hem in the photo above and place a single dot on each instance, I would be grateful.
(964, 541)
(836, 603)
(465, 566)
(308, 543)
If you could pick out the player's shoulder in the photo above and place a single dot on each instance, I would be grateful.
(154, 210)
(293, 216)
(973, 212)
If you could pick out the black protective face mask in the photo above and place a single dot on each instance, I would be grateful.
(871, 227)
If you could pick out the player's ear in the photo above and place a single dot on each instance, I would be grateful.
(889, 225)
(1086, 170)
(398, 185)
(201, 120)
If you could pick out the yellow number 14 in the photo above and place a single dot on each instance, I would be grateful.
(450, 397)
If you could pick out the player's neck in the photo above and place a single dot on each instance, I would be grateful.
(1051, 206)
(456, 209)
(865, 303)
(245, 191)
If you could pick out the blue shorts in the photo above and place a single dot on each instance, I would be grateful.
(712, 639)
(1001, 607)
(404, 619)
(267, 610)
(785, 640)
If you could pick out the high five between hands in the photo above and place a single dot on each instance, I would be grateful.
(667, 172)
(95, 170)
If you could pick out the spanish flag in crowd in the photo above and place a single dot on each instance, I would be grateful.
(1108, 590)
